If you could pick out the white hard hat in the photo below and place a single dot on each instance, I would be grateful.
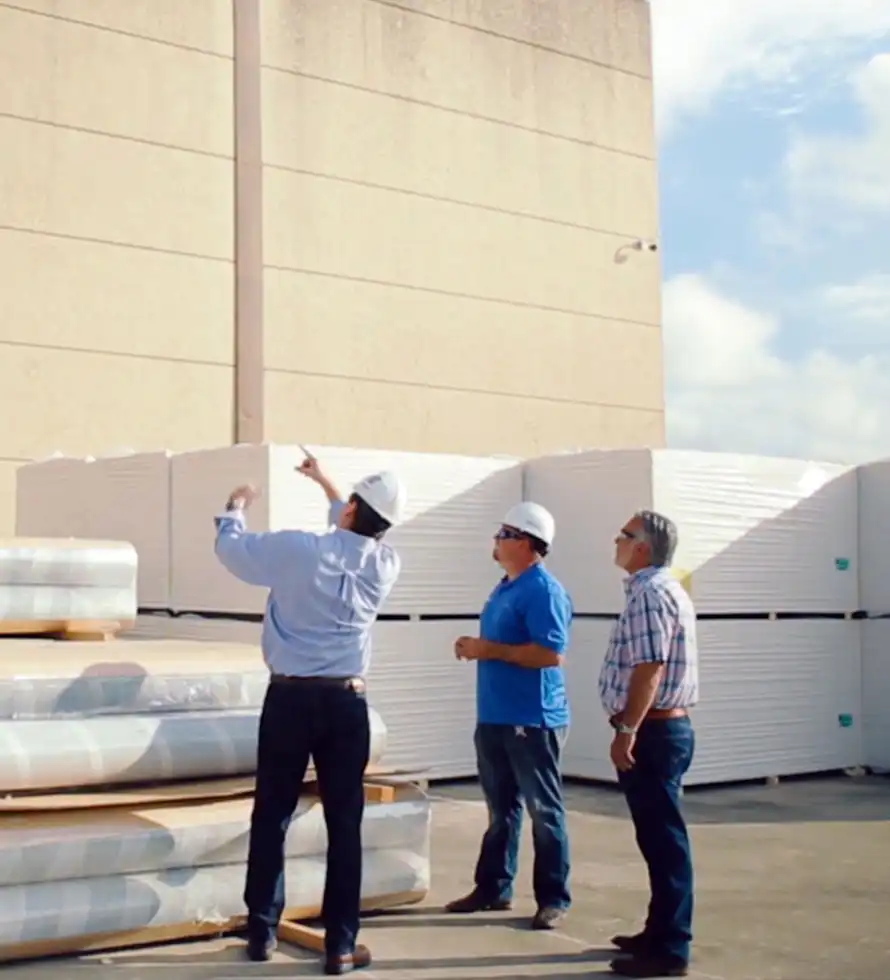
(533, 519)
(385, 494)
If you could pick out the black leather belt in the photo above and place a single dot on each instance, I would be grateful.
(356, 684)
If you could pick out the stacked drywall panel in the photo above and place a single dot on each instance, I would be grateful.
(586, 753)
(59, 584)
(876, 693)
(874, 587)
(427, 696)
(454, 505)
(759, 538)
(69, 876)
(757, 535)
(125, 498)
(69, 721)
(80, 867)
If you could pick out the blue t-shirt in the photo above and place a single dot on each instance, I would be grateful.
(533, 608)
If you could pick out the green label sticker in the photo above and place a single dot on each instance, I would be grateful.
(845, 721)
(842, 564)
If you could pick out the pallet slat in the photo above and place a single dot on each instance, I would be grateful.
(155, 935)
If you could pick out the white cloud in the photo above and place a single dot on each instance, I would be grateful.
(865, 302)
(703, 47)
(730, 389)
(849, 169)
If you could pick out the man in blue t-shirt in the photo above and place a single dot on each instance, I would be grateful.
(522, 719)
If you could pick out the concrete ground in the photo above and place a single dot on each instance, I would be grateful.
(793, 884)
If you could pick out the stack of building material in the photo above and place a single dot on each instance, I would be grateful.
(125, 497)
(72, 587)
(768, 550)
(102, 839)
(874, 586)
(454, 505)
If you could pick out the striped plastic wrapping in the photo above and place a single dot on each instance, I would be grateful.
(64, 753)
(38, 847)
(42, 679)
(427, 696)
(67, 579)
(56, 911)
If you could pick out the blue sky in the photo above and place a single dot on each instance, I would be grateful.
(774, 132)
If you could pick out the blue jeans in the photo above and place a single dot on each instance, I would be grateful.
(330, 723)
(663, 753)
(517, 764)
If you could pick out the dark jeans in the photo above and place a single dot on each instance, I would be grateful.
(663, 754)
(517, 764)
(330, 724)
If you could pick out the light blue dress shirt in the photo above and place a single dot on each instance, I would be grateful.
(325, 592)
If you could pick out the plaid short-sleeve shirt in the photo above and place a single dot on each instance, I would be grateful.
(657, 626)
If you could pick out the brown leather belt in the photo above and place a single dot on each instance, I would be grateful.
(655, 714)
(356, 684)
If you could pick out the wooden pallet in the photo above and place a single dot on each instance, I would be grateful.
(292, 930)
(65, 629)
(381, 786)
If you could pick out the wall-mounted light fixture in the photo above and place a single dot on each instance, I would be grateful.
(639, 245)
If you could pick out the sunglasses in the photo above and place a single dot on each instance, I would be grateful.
(509, 534)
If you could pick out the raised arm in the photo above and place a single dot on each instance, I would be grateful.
(257, 559)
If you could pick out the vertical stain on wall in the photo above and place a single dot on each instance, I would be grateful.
(249, 358)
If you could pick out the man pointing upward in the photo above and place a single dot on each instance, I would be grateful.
(325, 592)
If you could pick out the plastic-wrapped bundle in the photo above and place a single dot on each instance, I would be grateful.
(57, 580)
(53, 912)
(41, 679)
(455, 504)
(36, 847)
(60, 753)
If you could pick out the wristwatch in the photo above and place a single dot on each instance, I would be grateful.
(623, 729)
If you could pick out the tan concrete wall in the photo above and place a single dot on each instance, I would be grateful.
(446, 184)
(116, 227)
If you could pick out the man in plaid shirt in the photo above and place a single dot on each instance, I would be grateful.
(648, 681)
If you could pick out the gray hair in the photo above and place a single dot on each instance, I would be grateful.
(660, 533)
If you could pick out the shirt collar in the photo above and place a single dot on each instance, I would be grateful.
(635, 582)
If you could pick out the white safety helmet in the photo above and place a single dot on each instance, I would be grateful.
(385, 494)
(533, 519)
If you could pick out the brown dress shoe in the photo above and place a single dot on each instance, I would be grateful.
(358, 959)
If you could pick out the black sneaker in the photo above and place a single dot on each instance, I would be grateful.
(260, 948)
(631, 944)
(474, 902)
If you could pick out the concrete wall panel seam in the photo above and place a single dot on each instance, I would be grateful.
(249, 357)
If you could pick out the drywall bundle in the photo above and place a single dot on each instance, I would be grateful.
(42, 679)
(876, 693)
(78, 752)
(49, 581)
(777, 698)
(60, 846)
(125, 497)
(756, 534)
(427, 696)
(455, 504)
(98, 906)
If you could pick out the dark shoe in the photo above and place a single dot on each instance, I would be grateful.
(548, 918)
(474, 902)
(259, 949)
(649, 967)
(358, 959)
(631, 944)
